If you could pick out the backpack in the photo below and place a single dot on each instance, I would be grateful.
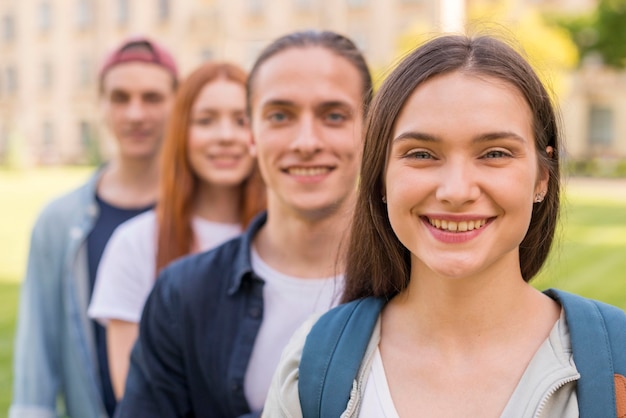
(335, 347)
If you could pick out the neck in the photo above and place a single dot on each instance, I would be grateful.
(301, 246)
(130, 182)
(218, 204)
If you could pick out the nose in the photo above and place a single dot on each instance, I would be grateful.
(307, 140)
(135, 110)
(458, 183)
(226, 131)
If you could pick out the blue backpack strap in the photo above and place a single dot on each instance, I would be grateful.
(332, 356)
(598, 335)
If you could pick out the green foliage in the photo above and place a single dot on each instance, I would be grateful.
(8, 312)
(546, 45)
(596, 167)
(600, 33)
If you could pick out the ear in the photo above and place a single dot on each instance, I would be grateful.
(544, 175)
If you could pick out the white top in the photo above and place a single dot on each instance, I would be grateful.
(287, 302)
(377, 402)
(535, 386)
(127, 270)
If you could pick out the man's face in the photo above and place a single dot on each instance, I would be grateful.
(307, 120)
(136, 99)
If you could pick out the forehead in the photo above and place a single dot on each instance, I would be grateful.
(138, 77)
(305, 75)
(221, 93)
(461, 101)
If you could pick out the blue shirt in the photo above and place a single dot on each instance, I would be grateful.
(196, 337)
(109, 218)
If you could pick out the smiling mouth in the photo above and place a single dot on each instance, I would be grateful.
(453, 226)
(308, 171)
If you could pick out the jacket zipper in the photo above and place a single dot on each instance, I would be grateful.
(558, 385)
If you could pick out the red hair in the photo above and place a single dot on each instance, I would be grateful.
(179, 183)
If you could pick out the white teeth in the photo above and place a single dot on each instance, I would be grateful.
(308, 171)
(452, 226)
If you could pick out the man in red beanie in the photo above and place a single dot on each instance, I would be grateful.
(60, 354)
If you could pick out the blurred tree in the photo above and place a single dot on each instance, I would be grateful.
(600, 35)
(547, 46)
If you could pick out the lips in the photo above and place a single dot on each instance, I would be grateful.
(457, 226)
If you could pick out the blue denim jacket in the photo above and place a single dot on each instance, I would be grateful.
(54, 349)
(196, 336)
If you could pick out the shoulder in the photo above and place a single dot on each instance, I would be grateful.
(67, 209)
(139, 230)
(209, 271)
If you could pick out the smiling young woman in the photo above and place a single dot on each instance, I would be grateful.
(210, 189)
(456, 211)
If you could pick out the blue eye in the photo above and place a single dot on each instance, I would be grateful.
(277, 117)
(419, 155)
(335, 117)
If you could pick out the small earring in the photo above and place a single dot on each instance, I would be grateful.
(539, 197)
(385, 200)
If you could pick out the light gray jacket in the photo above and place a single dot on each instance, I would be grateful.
(55, 357)
(546, 390)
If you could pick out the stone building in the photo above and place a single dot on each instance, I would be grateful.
(50, 51)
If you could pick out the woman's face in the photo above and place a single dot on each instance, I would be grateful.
(462, 175)
(219, 137)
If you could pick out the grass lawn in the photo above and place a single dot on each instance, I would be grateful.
(24, 192)
(589, 257)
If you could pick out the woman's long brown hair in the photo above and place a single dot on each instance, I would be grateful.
(179, 183)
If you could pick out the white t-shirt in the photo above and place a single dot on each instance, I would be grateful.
(127, 270)
(537, 383)
(377, 401)
(287, 302)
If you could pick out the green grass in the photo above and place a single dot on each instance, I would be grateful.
(24, 193)
(589, 257)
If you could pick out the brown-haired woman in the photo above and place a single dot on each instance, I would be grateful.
(209, 190)
(456, 212)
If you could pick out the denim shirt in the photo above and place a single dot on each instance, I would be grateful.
(196, 336)
(54, 348)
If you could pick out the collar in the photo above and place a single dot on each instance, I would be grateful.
(243, 256)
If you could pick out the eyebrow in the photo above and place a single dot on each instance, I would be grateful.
(491, 136)
(323, 105)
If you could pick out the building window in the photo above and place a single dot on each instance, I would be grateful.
(10, 80)
(356, 4)
(206, 54)
(84, 13)
(47, 137)
(164, 9)
(255, 7)
(46, 75)
(85, 72)
(304, 5)
(600, 125)
(360, 39)
(8, 28)
(122, 12)
(45, 16)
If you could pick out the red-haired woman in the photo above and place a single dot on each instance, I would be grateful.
(210, 189)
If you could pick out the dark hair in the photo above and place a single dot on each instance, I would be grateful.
(332, 41)
(378, 264)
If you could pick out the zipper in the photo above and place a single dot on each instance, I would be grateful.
(558, 385)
